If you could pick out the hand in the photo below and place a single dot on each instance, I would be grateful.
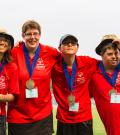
(18, 43)
(7, 97)
(117, 41)
(2, 98)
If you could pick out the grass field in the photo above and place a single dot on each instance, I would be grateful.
(97, 124)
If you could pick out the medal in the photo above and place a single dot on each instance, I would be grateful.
(30, 84)
(71, 99)
(70, 78)
(112, 91)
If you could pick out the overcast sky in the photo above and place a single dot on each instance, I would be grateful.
(88, 20)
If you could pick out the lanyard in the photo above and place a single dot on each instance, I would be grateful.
(70, 78)
(112, 80)
(30, 68)
(118, 66)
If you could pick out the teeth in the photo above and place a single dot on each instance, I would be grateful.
(1, 47)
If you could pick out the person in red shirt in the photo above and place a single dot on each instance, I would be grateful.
(105, 85)
(32, 112)
(70, 79)
(9, 87)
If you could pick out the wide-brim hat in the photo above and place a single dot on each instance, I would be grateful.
(66, 37)
(117, 40)
(106, 40)
(3, 33)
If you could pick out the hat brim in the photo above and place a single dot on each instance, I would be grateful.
(9, 37)
(67, 36)
(102, 44)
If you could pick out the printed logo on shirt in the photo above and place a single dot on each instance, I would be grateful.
(80, 78)
(2, 82)
(40, 64)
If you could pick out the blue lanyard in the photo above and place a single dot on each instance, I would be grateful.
(30, 68)
(70, 78)
(118, 66)
(2, 65)
(112, 80)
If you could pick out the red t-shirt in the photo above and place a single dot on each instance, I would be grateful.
(8, 84)
(27, 110)
(109, 112)
(85, 67)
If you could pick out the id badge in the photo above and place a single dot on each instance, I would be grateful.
(115, 98)
(74, 107)
(32, 93)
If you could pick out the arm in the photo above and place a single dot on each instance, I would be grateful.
(7, 97)
(90, 89)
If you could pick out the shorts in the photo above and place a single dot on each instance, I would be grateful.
(2, 125)
(42, 127)
(82, 128)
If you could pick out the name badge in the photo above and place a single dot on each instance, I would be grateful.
(32, 93)
(74, 107)
(115, 98)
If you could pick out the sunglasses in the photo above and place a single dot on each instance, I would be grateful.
(67, 42)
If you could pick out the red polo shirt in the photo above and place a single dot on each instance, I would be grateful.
(85, 67)
(8, 84)
(109, 112)
(27, 110)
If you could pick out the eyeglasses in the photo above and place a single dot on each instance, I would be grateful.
(35, 34)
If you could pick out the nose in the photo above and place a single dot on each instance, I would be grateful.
(32, 35)
(115, 56)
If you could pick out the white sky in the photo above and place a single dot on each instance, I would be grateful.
(88, 20)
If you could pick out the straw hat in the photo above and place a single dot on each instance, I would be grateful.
(105, 40)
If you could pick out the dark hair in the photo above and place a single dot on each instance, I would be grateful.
(7, 55)
(108, 46)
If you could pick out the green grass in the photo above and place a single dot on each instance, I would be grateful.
(98, 127)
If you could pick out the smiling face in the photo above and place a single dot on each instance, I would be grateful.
(31, 38)
(69, 48)
(4, 45)
(110, 57)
